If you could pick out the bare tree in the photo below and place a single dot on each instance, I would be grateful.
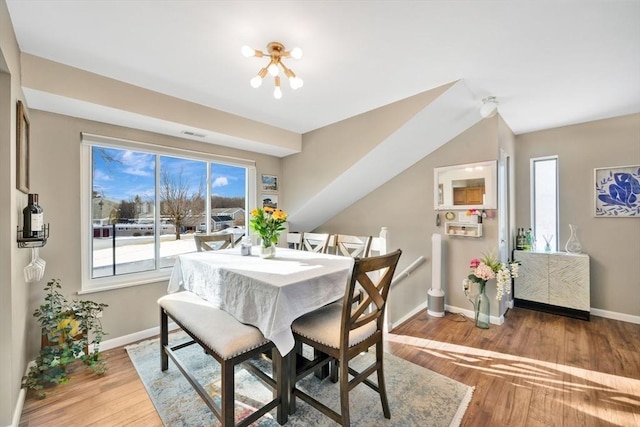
(176, 202)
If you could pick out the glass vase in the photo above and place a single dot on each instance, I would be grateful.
(267, 252)
(482, 308)
(573, 245)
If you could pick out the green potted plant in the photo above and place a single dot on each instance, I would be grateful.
(70, 330)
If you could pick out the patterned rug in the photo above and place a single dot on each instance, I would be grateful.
(417, 396)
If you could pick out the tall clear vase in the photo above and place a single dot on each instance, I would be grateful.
(482, 308)
(573, 245)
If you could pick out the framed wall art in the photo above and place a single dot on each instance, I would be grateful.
(22, 150)
(617, 191)
(270, 200)
(269, 183)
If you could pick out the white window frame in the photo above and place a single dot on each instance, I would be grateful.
(532, 190)
(89, 284)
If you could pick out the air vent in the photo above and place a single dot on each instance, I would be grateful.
(189, 133)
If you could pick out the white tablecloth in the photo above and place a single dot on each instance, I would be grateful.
(267, 293)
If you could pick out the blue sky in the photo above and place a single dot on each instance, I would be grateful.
(133, 173)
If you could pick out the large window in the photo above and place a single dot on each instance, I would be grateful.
(143, 205)
(544, 202)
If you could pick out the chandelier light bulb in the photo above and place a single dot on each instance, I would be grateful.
(277, 92)
(296, 53)
(247, 52)
(295, 82)
(256, 82)
(273, 69)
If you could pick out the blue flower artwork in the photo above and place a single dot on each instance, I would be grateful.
(618, 191)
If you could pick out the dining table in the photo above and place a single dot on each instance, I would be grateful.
(266, 293)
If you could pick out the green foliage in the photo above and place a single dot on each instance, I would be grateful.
(67, 326)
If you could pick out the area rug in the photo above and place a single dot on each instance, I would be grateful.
(417, 396)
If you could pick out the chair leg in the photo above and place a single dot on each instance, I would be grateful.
(323, 371)
(227, 394)
(344, 392)
(290, 365)
(164, 339)
(382, 389)
(333, 375)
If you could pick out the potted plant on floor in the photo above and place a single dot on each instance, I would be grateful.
(70, 330)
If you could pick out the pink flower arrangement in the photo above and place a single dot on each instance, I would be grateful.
(489, 267)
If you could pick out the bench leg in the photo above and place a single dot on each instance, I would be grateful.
(227, 393)
(164, 339)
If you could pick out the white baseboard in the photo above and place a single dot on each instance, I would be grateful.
(17, 413)
(468, 313)
(136, 336)
(409, 315)
(616, 316)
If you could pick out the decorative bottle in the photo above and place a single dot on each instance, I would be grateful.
(530, 241)
(33, 221)
(519, 238)
(573, 245)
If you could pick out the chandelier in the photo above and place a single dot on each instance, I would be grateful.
(276, 52)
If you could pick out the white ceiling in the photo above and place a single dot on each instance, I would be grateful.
(549, 63)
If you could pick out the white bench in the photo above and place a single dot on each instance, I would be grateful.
(230, 343)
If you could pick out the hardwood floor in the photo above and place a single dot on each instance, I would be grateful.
(535, 370)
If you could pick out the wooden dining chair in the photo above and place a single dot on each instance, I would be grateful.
(213, 242)
(315, 242)
(353, 246)
(294, 240)
(343, 331)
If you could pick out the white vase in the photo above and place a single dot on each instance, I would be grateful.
(268, 252)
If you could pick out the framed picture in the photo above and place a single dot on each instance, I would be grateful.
(269, 183)
(617, 191)
(270, 200)
(22, 150)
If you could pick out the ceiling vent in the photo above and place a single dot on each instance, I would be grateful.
(189, 133)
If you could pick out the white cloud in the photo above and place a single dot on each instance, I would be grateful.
(220, 181)
(137, 163)
(98, 175)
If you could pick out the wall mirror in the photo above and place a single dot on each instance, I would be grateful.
(468, 186)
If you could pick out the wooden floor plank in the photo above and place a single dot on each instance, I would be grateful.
(537, 369)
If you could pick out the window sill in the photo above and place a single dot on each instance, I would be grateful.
(94, 288)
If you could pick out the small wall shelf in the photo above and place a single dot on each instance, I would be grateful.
(463, 229)
(32, 242)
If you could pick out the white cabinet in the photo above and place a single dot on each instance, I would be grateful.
(557, 282)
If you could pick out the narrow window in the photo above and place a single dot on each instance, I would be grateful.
(544, 202)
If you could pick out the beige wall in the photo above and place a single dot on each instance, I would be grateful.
(56, 177)
(612, 243)
(13, 290)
